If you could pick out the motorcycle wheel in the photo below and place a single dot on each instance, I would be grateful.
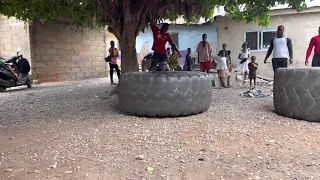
(28, 83)
(2, 89)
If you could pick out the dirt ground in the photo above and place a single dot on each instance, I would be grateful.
(76, 131)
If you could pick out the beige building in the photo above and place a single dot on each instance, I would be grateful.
(57, 51)
(300, 27)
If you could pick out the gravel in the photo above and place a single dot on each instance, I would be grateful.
(75, 130)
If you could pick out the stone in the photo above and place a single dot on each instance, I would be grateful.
(140, 157)
(53, 166)
(8, 170)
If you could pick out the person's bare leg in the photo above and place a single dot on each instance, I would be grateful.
(228, 81)
(245, 77)
(221, 82)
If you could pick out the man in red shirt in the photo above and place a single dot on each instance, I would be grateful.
(160, 38)
(315, 42)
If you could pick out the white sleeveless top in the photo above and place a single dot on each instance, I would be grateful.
(222, 63)
(280, 48)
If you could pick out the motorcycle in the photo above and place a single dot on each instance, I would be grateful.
(14, 72)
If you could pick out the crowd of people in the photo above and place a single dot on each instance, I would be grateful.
(167, 59)
(205, 58)
(281, 46)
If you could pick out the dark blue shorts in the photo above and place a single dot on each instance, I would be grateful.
(158, 58)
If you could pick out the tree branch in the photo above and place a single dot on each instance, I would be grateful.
(163, 5)
(106, 12)
(142, 18)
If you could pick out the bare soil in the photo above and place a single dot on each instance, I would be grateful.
(76, 131)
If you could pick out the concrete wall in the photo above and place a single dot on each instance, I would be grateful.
(299, 27)
(62, 52)
(189, 36)
(14, 34)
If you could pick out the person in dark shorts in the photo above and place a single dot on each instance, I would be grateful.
(315, 42)
(253, 66)
(160, 38)
(114, 54)
(281, 46)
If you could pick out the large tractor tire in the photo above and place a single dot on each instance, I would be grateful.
(165, 94)
(297, 93)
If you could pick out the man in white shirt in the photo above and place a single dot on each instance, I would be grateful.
(281, 47)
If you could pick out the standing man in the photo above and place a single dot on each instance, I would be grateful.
(114, 54)
(160, 39)
(227, 54)
(281, 46)
(315, 42)
(204, 51)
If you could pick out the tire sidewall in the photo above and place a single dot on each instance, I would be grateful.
(165, 94)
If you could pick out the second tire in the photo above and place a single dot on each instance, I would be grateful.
(297, 93)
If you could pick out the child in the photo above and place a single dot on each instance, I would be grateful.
(173, 60)
(222, 69)
(114, 54)
(188, 61)
(244, 56)
(253, 66)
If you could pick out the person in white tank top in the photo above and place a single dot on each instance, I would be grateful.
(282, 49)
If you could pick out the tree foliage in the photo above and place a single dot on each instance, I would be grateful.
(126, 18)
(112, 12)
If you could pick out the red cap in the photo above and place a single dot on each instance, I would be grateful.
(281, 27)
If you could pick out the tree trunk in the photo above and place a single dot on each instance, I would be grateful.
(129, 62)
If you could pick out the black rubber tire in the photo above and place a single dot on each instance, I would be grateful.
(296, 93)
(165, 94)
(2, 89)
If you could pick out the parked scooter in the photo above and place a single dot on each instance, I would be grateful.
(14, 72)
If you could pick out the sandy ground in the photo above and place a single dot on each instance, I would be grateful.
(76, 131)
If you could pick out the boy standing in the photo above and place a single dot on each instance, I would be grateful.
(188, 62)
(160, 39)
(204, 50)
(253, 66)
(114, 54)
